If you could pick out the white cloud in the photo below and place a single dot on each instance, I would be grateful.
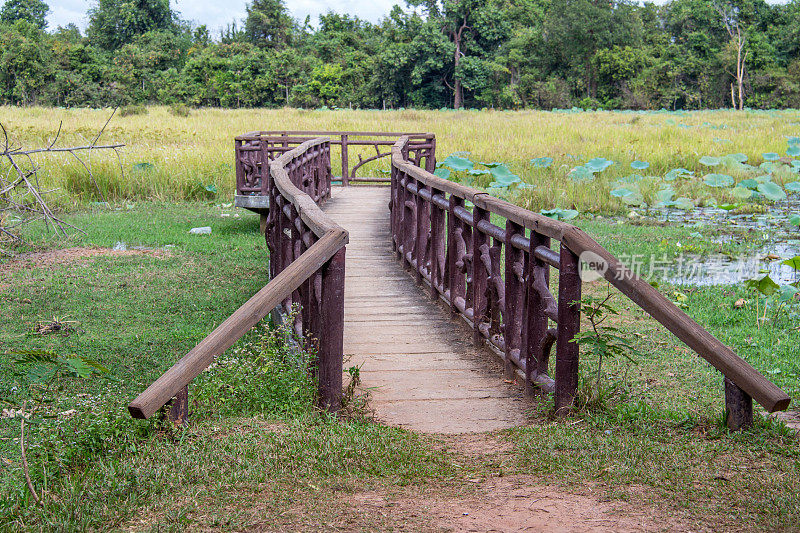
(218, 14)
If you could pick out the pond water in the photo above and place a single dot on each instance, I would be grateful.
(771, 226)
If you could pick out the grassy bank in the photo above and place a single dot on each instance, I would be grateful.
(257, 454)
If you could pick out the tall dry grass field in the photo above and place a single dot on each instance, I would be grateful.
(185, 155)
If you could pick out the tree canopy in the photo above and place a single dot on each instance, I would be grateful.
(509, 54)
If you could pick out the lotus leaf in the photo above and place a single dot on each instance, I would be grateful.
(678, 173)
(598, 164)
(742, 193)
(581, 174)
(772, 191)
(710, 161)
(560, 214)
(763, 284)
(443, 173)
(542, 162)
(504, 176)
(718, 180)
(454, 162)
(793, 263)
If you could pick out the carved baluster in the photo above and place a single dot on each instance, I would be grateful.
(569, 295)
(479, 274)
(437, 247)
(421, 232)
(514, 296)
(536, 359)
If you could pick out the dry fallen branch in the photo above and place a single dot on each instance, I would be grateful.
(22, 200)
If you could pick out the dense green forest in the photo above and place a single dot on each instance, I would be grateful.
(685, 54)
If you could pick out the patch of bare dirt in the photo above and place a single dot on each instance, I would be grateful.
(57, 258)
(790, 418)
(520, 503)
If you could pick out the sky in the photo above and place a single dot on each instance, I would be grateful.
(217, 14)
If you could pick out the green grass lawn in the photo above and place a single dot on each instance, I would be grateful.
(651, 431)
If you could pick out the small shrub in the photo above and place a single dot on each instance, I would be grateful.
(180, 110)
(132, 110)
(268, 376)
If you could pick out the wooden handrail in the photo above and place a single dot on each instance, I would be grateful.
(332, 239)
(734, 368)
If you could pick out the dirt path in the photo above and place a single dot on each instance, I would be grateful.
(419, 365)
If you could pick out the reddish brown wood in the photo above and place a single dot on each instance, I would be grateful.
(738, 407)
(345, 173)
(569, 295)
(479, 274)
(470, 254)
(179, 407)
(437, 247)
(514, 304)
(330, 346)
(307, 269)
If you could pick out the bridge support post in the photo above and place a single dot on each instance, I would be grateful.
(738, 407)
(179, 407)
(331, 345)
(345, 170)
(569, 295)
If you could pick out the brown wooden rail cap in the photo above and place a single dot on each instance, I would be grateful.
(733, 367)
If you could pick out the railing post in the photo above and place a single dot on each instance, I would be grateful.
(430, 161)
(264, 153)
(438, 230)
(345, 171)
(738, 407)
(514, 307)
(330, 356)
(421, 236)
(239, 166)
(480, 276)
(569, 295)
(179, 407)
(536, 358)
(454, 282)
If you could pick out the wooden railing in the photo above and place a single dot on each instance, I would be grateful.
(307, 267)
(498, 279)
(255, 150)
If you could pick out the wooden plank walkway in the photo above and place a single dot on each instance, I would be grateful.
(421, 366)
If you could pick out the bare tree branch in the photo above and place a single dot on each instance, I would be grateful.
(22, 199)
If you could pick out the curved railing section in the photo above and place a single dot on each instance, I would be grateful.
(498, 279)
(257, 149)
(307, 255)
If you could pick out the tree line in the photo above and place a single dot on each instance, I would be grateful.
(507, 54)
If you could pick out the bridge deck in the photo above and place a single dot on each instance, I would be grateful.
(422, 369)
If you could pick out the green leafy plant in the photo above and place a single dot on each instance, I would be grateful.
(603, 341)
(40, 376)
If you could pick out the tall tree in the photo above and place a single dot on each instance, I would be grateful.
(33, 11)
(268, 24)
(113, 23)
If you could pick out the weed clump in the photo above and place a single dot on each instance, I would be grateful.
(133, 110)
(180, 110)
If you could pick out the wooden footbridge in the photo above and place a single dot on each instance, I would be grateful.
(429, 286)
